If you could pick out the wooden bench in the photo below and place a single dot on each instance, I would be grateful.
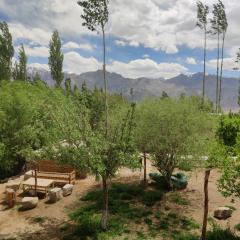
(58, 173)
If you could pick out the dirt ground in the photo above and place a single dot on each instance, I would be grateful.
(14, 222)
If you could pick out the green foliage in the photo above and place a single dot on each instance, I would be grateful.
(229, 183)
(229, 129)
(170, 129)
(178, 199)
(20, 71)
(151, 197)
(95, 13)
(221, 234)
(6, 52)
(55, 59)
(185, 237)
(122, 199)
(26, 122)
(237, 227)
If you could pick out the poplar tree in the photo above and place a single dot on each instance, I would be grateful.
(224, 27)
(95, 17)
(55, 59)
(6, 52)
(216, 29)
(22, 65)
(202, 14)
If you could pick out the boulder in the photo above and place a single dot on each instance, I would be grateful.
(29, 203)
(67, 190)
(14, 185)
(55, 195)
(223, 213)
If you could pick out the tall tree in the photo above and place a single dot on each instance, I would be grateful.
(55, 59)
(224, 27)
(95, 17)
(68, 85)
(216, 29)
(6, 52)
(22, 65)
(237, 68)
(202, 13)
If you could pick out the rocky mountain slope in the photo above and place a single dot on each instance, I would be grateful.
(190, 85)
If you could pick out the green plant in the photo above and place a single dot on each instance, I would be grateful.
(149, 198)
(237, 227)
(178, 199)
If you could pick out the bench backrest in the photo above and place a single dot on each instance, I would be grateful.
(51, 166)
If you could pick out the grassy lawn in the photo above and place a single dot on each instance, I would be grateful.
(135, 213)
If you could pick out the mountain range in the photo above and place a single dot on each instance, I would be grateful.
(143, 87)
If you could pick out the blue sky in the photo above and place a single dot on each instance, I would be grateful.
(145, 38)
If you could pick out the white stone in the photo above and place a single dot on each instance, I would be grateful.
(15, 185)
(67, 190)
(223, 213)
(29, 203)
(55, 195)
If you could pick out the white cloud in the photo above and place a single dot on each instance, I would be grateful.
(75, 63)
(39, 66)
(147, 68)
(146, 56)
(82, 46)
(161, 25)
(120, 43)
(35, 51)
(229, 64)
(191, 61)
(35, 35)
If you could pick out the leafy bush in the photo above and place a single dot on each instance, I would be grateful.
(229, 129)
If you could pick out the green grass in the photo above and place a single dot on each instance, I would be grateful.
(231, 207)
(38, 219)
(122, 209)
(178, 199)
(237, 227)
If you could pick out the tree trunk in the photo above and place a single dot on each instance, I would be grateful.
(206, 200)
(105, 81)
(104, 220)
(145, 169)
(217, 85)
(204, 71)
(221, 72)
(35, 176)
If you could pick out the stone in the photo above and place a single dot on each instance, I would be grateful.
(28, 203)
(223, 213)
(15, 185)
(55, 195)
(67, 190)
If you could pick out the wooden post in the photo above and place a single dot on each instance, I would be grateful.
(11, 198)
(145, 169)
(35, 181)
(206, 201)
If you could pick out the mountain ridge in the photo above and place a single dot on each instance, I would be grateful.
(143, 87)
